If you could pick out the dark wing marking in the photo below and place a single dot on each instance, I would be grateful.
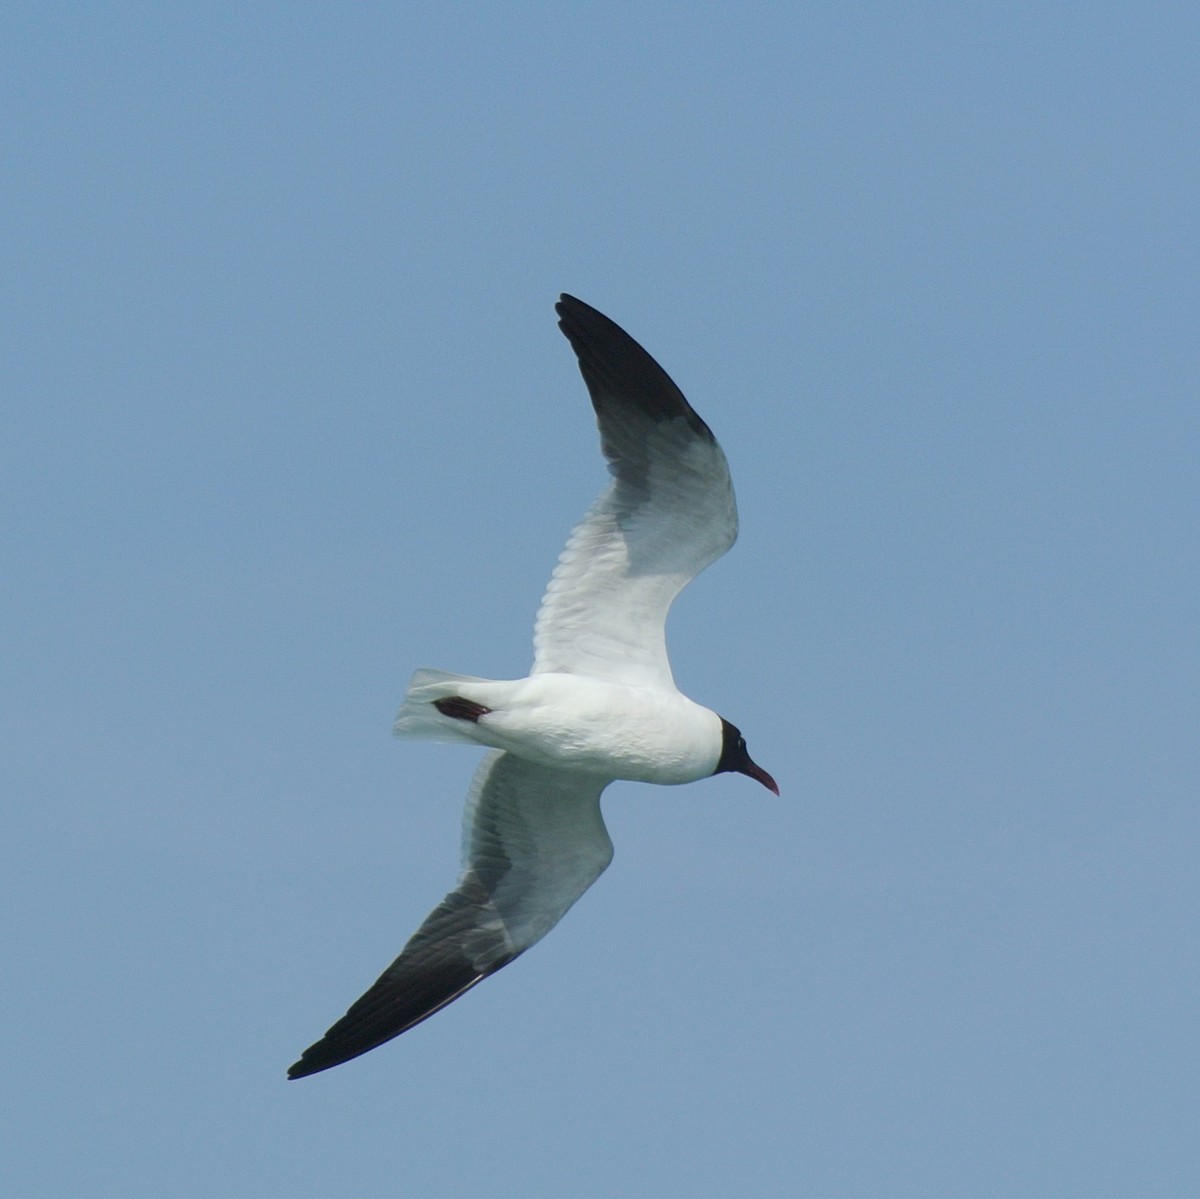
(668, 513)
(533, 842)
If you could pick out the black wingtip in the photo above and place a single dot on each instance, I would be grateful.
(301, 1070)
(327, 1053)
(324, 1055)
(317, 1062)
(567, 302)
(379, 1016)
(615, 366)
(578, 321)
(575, 319)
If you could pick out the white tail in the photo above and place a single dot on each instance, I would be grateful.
(418, 718)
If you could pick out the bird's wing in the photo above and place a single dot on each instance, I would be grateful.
(667, 514)
(533, 842)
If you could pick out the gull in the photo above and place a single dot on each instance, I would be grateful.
(599, 704)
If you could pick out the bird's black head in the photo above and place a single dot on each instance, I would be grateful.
(735, 757)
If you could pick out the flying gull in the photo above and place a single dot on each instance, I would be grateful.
(599, 704)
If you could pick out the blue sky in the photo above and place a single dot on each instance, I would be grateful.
(290, 416)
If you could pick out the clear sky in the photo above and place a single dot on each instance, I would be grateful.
(288, 416)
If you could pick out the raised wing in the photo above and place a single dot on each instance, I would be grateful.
(668, 513)
(533, 842)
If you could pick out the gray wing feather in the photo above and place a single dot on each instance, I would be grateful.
(533, 841)
(668, 514)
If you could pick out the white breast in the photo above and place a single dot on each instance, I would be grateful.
(596, 727)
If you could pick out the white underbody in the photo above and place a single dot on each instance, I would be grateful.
(595, 727)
